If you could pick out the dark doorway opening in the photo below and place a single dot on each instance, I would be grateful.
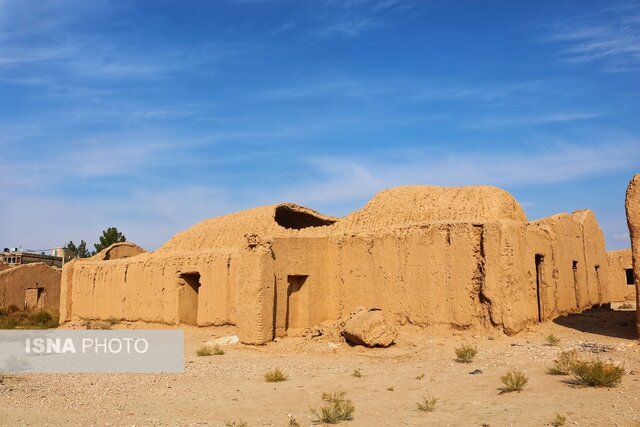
(574, 266)
(539, 269)
(297, 304)
(629, 273)
(189, 289)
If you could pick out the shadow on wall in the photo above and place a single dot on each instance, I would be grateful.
(602, 321)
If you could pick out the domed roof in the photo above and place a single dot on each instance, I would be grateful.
(229, 230)
(419, 204)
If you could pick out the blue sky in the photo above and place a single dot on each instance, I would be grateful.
(152, 115)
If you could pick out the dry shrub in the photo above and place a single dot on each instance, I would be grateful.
(25, 319)
(466, 353)
(336, 408)
(558, 421)
(514, 381)
(207, 350)
(552, 340)
(275, 376)
(598, 373)
(565, 363)
(427, 404)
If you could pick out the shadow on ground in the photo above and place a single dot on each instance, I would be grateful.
(602, 321)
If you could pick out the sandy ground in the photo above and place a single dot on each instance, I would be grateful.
(230, 388)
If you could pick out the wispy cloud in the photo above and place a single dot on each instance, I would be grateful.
(532, 119)
(610, 36)
(350, 18)
(339, 179)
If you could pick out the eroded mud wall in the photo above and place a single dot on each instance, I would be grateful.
(618, 262)
(151, 288)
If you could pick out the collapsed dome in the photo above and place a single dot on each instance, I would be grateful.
(229, 230)
(293, 217)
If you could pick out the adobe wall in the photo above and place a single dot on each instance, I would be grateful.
(147, 288)
(15, 282)
(461, 275)
(4, 266)
(618, 262)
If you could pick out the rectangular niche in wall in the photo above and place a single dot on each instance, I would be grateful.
(188, 292)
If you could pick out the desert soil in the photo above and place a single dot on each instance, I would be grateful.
(216, 390)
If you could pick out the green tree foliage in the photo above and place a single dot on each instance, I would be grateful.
(79, 251)
(109, 237)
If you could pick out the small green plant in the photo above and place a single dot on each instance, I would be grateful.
(357, 373)
(236, 424)
(513, 381)
(427, 404)
(275, 376)
(336, 408)
(421, 376)
(565, 363)
(558, 421)
(598, 373)
(466, 353)
(552, 340)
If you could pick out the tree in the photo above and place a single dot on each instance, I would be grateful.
(79, 251)
(109, 237)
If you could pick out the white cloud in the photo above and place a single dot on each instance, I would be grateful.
(609, 36)
(340, 179)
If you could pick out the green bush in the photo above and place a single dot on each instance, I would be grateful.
(336, 408)
(598, 374)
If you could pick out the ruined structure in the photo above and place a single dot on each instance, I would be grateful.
(620, 270)
(632, 205)
(459, 256)
(30, 286)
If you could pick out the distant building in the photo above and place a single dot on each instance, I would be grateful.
(14, 257)
(30, 286)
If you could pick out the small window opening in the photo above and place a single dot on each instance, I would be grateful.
(629, 274)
